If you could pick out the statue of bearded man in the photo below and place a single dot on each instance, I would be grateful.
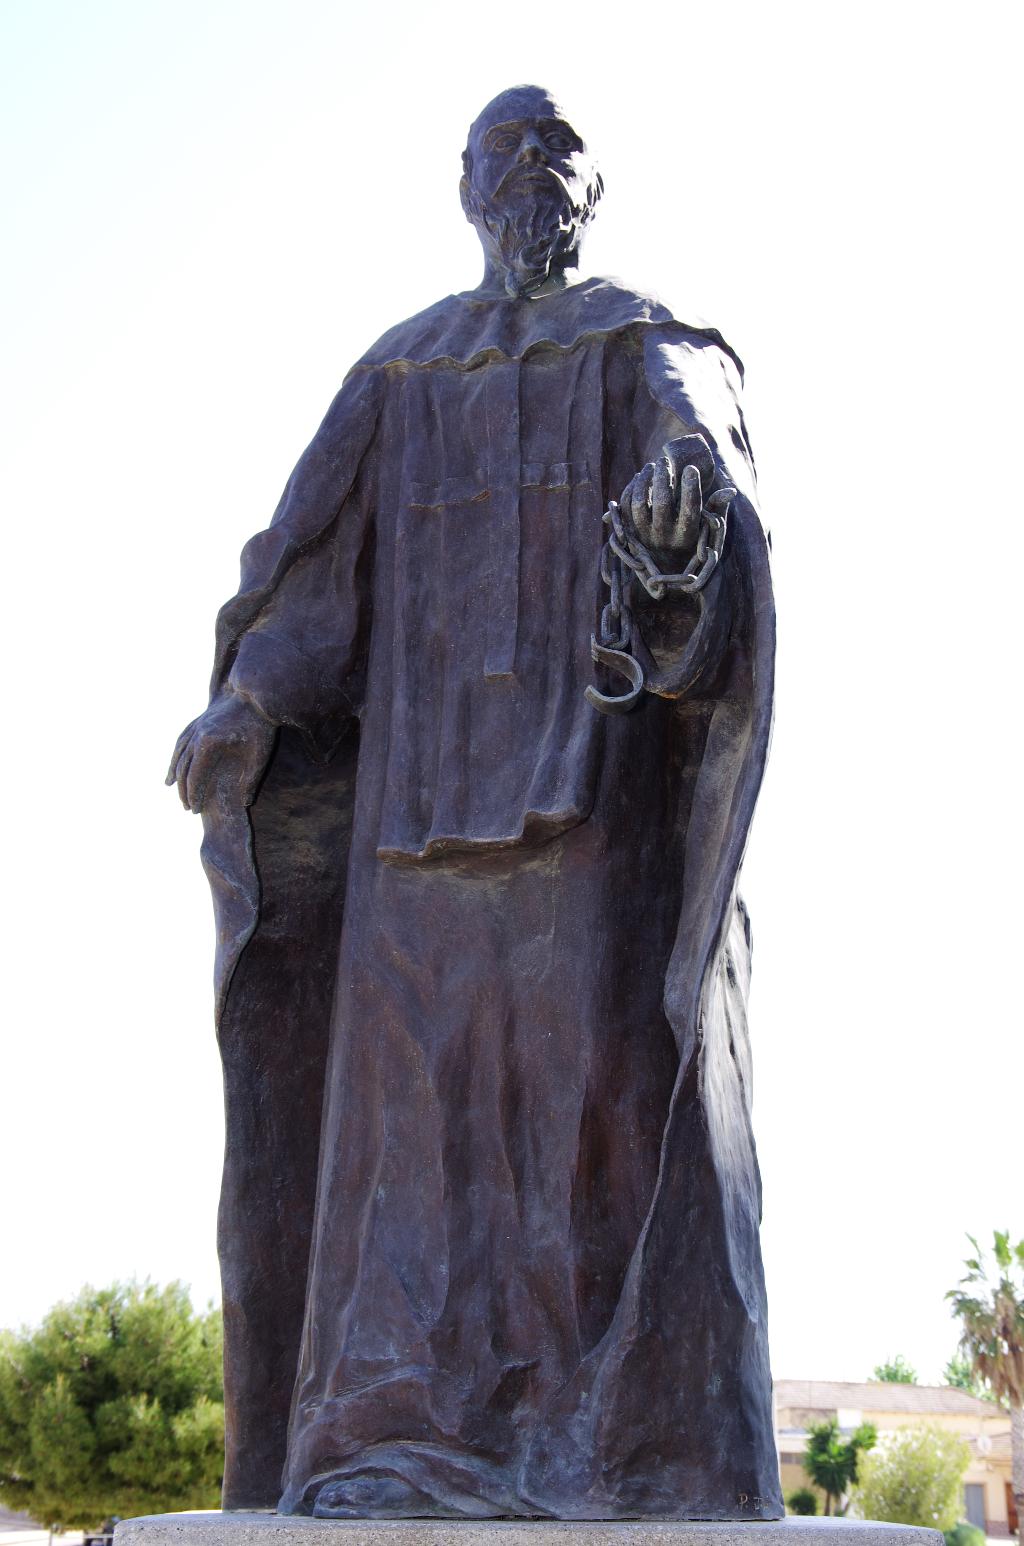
(489, 1223)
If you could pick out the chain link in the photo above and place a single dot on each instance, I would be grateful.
(625, 559)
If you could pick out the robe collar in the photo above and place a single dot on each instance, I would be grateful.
(469, 327)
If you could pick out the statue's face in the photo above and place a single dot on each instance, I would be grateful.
(522, 142)
(530, 186)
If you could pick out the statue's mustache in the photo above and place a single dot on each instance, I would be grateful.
(519, 176)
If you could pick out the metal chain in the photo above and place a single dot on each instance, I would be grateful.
(625, 558)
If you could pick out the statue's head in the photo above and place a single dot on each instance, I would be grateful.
(529, 187)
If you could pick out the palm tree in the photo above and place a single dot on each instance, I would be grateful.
(990, 1304)
(831, 1461)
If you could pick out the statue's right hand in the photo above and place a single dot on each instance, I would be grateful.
(232, 737)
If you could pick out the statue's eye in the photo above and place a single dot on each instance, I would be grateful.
(505, 142)
(557, 139)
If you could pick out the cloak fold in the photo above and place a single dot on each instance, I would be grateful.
(688, 1334)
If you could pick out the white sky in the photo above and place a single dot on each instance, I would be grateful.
(215, 208)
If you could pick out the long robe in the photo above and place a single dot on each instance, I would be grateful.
(490, 1215)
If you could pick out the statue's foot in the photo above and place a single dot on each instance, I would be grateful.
(370, 1495)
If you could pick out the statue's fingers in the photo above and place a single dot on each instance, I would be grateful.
(181, 774)
(691, 497)
(250, 781)
(204, 760)
(663, 503)
(179, 746)
(720, 500)
(638, 507)
(691, 450)
(626, 503)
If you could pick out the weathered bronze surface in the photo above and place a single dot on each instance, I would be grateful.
(489, 1223)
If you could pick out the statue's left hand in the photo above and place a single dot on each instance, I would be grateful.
(664, 501)
(229, 745)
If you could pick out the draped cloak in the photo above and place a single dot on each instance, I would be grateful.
(490, 1212)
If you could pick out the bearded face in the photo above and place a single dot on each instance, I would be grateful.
(530, 188)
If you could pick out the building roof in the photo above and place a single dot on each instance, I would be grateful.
(879, 1396)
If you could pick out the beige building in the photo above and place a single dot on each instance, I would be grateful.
(988, 1499)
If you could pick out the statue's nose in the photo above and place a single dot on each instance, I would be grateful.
(531, 151)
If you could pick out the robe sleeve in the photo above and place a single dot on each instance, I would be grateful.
(696, 385)
(693, 386)
(293, 639)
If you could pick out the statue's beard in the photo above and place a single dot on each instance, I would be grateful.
(535, 225)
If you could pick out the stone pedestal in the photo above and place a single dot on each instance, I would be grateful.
(217, 1529)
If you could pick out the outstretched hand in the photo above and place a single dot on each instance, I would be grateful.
(663, 503)
(231, 739)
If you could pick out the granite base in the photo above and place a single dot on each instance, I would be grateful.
(258, 1529)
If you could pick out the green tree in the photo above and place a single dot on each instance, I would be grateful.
(896, 1372)
(959, 1375)
(832, 1462)
(114, 1405)
(989, 1302)
(915, 1477)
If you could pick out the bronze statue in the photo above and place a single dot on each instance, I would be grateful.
(489, 1224)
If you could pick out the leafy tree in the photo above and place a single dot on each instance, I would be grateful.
(114, 1405)
(802, 1501)
(832, 1462)
(990, 1304)
(915, 1477)
(959, 1375)
(896, 1372)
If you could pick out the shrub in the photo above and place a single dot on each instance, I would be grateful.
(804, 1501)
(964, 1534)
(913, 1478)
